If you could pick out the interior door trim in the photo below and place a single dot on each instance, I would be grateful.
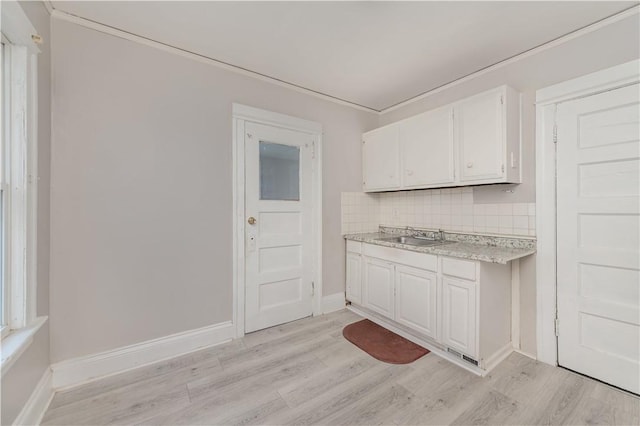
(547, 100)
(242, 114)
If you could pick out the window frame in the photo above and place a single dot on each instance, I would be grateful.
(18, 175)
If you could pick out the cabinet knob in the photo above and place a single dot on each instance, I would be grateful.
(469, 165)
(409, 172)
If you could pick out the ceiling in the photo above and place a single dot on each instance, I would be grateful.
(373, 54)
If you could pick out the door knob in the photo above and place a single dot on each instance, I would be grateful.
(251, 220)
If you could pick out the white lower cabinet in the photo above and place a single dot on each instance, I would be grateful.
(416, 299)
(459, 315)
(437, 298)
(354, 277)
(379, 286)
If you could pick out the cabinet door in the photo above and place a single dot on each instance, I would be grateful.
(379, 286)
(416, 299)
(354, 278)
(459, 315)
(426, 146)
(480, 132)
(381, 159)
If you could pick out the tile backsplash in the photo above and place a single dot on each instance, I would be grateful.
(451, 209)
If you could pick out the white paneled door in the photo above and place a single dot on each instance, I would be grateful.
(279, 246)
(598, 153)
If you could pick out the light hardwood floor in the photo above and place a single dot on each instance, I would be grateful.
(305, 372)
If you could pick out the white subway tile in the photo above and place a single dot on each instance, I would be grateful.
(493, 221)
(491, 209)
(492, 230)
(520, 209)
(505, 209)
(521, 222)
(506, 221)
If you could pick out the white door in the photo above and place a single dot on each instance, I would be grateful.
(279, 246)
(459, 315)
(381, 159)
(378, 286)
(480, 133)
(598, 151)
(416, 299)
(354, 278)
(426, 142)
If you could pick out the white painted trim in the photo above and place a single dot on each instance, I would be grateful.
(58, 14)
(17, 342)
(55, 13)
(84, 369)
(17, 27)
(49, 6)
(515, 303)
(618, 76)
(33, 411)
(527, 354)
(333, 302)
(547, 100)
(271, 118)
(495, 359)
(634, 10)
(242, 114)
(546, 343)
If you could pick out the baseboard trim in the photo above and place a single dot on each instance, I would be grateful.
(333, 302)
(38, 402)
(498, 357)
(77, 371)
(527, 354)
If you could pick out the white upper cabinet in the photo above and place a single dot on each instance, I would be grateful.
(427, 147)
(381, 159)
(488, 137)
(474, 141)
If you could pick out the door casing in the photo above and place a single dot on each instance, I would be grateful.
(242, 114)
(546, 220)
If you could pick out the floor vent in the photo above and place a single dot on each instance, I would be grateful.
(463, 357)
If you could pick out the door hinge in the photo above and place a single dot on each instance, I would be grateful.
(557, 326)
(313, 149)
(501, 99)
(503, 168)
(555, 133)
(313, 288)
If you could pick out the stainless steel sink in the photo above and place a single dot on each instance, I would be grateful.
(413, 241)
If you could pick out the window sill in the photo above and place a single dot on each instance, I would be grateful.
(17, 342)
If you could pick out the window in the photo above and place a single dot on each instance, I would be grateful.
(18, 163)
(4, 84)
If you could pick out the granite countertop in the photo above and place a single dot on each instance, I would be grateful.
(484, 248)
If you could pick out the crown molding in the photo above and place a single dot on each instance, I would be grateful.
(97, 26)
(106, 29)
(633, 10)
(49, 6)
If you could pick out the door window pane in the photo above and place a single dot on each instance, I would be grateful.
(279, 172)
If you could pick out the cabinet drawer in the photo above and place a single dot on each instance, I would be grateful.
(459, 268)
(403, 257)
(354, 247)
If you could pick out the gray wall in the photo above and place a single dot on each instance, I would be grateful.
(141, 201)
(604, 48)
(20, 381)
